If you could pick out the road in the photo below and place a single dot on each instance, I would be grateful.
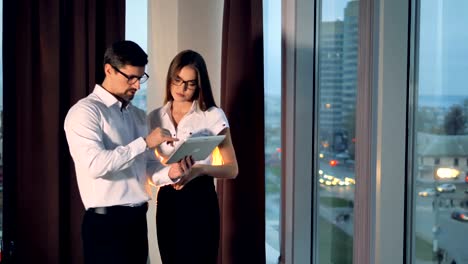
(452, 235)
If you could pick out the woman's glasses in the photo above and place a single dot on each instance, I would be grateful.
(190, 84)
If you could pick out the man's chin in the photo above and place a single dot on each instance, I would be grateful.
(129, 96)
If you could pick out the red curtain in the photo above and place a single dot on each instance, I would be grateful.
(242, 200)
(52, 56)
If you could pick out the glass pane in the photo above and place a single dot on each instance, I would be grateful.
(272, 79)
(440, 132)
(1, 128)
(337, 80)
(136, 30)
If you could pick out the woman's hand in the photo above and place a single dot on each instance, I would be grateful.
(194, 172)
(181, 169)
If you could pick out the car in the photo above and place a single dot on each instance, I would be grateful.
(446, 187)
(460, 216)
(427, 192)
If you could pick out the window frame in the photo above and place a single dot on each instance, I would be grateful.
(297, 144)
(381, 161)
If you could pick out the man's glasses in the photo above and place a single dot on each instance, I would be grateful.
(190, 84)
(133, 79)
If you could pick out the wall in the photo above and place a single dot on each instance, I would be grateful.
(176, 25)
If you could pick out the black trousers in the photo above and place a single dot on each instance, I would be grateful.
(187, 223)
(116, 235)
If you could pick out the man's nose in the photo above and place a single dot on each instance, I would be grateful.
(136, 85)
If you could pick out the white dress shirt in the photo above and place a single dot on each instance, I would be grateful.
(194, 124)
(107, 145)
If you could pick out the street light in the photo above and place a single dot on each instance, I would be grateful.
(446, 173)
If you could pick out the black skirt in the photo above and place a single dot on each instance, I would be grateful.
(187, 223)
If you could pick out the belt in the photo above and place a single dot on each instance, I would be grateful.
(120, 209)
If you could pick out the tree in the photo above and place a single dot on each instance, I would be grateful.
(454, 122)
(424, 120)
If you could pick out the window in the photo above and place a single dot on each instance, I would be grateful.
(136, 30)
(337, 86)
(272, 76)
(440, 214)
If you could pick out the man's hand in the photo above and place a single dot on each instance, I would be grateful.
(181, 169)
(158, 136)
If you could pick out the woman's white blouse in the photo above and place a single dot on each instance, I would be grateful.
(195, 123)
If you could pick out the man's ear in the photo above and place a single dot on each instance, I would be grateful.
(108, 69)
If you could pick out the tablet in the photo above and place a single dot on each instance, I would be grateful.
(197, 147)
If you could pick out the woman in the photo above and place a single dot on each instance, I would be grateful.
(187, 219)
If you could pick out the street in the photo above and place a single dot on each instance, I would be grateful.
(429, 211)
(452, 234)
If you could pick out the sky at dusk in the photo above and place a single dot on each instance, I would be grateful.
(443, 48)
(442, 65)
(443, 51)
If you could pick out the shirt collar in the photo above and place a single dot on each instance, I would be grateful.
(107, 98)
(166, 110)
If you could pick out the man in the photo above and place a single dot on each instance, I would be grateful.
(112, 151)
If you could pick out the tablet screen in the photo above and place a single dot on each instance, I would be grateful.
(197, 147)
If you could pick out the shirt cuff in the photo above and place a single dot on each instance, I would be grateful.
(162, 178)
(138, 146)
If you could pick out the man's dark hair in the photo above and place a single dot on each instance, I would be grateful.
(125, 52)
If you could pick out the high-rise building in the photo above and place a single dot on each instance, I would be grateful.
(338, 57)
(350, 61)
(330, 75)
